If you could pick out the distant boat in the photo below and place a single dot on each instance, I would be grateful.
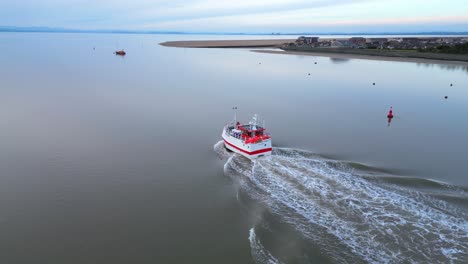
(120, 53)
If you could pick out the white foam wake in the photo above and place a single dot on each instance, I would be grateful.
(327, 202)
(259, 253)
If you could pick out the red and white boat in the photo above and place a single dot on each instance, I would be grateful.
(249, 140)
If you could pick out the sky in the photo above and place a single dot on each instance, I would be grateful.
(240, 16)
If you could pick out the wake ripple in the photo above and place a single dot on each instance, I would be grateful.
(334, 206)
(258, 251)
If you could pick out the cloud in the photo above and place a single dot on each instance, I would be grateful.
(237, 16)
(323, 18)
(217, 8)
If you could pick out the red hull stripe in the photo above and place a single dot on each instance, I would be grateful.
(249, 153)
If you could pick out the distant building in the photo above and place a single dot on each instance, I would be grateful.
(395, 39)
(340, 44)
(448, 40)
(357, 41)
(393, 44)
(410, 39)
(377, 41)
(307, 40)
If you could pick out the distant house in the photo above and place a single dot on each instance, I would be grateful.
(377, 41)
(307, 40)
(357, 42)
(448, 40)
(391, 44)
(395, 39)
(410, 39)
(341, 44)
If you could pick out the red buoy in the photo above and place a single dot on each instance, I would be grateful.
(390, 113)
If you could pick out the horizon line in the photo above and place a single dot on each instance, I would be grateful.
(42, 29)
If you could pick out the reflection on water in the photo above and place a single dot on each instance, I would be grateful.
(389, 120)
(448, 67)
(454, 67)
(339, 60)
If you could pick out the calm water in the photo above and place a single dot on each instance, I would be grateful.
(107, 159)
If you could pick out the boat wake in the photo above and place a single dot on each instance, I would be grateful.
(259, 253)
(350, 212)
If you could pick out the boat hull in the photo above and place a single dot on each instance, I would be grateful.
(250, 151)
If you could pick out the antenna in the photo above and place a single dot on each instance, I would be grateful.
(235, 115)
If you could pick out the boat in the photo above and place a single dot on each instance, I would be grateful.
(249, 140)
(120, 52)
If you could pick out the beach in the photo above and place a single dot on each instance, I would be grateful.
(245, 43)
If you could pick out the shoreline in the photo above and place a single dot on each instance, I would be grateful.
(364, 57)
(341, 54)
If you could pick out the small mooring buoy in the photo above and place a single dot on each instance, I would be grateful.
(373, 83)
(315, 63)
(446, 97)
(309, 73)
(451, 84)
(390, 113)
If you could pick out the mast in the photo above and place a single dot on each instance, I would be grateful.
(253, 125)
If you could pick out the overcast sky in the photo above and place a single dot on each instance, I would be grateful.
(248, 16)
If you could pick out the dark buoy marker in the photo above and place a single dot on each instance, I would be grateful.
(373, 83)
(446, 97)
(315, 62)
(390, 113)
(309, 73)
(451, 84)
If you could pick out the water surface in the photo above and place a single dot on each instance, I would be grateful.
(108, 159)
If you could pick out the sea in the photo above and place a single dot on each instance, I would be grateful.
(111, 159)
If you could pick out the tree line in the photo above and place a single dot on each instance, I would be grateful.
(455, 49)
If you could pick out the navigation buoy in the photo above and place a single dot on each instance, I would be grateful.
(315, 62)
(390, 113)
(373, 83)
(390, 116)
(309, 73)
(446, 97)
(451, 84)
